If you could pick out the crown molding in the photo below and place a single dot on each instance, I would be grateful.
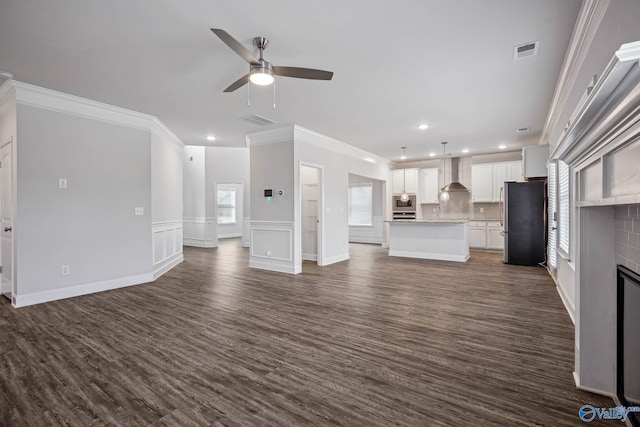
(270, 136)
(584, 31)
(36, 96)
(319, 140)
(6, 89)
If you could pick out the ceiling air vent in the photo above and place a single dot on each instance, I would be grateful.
(255, 119)
(525, 50)
(523, 130)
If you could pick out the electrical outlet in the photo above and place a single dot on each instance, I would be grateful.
(139, 211)
(481, 210)
(62, 183)
(269, 252)
(65, 270)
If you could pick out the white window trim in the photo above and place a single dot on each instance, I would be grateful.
(370, 225)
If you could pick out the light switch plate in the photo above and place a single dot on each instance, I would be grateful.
(65, 270)
(139, 211)
(62, 183)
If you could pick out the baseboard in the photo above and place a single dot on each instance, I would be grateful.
(385, 245)
(423, 255)
(229, 236)
(262, 265)
(199, 243)
(565, 300)
(78, 290)
(168, 265)
(576, 378)
(334, 259)
(309, 257)
(372, 240)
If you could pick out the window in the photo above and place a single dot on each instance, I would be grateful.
(563, 207)
(552, 202)
(361, 204)
(226, 206)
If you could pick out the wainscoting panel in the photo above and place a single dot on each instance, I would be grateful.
(167, 246)
(272, 246)
(246, 235)
(200, 232)
(373, 234)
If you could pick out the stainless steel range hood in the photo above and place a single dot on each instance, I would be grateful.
(454, 185)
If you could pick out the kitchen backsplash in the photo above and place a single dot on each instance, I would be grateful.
(628, 236)
(460, 207)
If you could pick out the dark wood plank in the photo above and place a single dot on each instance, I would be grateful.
(373, 341)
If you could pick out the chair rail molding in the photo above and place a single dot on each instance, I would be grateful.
(584, 31)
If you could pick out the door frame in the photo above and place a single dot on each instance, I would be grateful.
(10, 142)
(298, 219)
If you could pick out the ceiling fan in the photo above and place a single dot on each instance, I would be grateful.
(262, 72)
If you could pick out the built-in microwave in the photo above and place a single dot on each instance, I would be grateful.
(400, 206)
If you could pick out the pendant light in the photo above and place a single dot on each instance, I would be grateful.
(444, 194)
(404, 196)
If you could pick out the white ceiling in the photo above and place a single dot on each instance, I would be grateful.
(397, 64)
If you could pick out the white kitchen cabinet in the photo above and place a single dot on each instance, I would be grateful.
(482, 183)
(495, 239)
(499, 177)
(409, 182)
(535, 160)
(488, 178)
(429, 186)
(514, 171)
(478, 234)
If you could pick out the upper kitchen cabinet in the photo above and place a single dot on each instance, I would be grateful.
(404, 179)
(429, 186)
(535, 161)
(482, 183)
(488, 178)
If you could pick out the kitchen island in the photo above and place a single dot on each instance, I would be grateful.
(440, 239)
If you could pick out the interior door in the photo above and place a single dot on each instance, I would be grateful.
(6, 216)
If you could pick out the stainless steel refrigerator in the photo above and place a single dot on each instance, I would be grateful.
(523, 218)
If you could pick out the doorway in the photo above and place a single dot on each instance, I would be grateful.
(229, 209)
(6, 220)
(311, 198)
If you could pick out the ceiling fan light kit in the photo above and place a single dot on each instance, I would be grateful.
(261, 71)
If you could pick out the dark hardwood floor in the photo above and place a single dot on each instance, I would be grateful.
(374, 341)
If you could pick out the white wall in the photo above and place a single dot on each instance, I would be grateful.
(275, 163)
(90, 226)
(375, 232)
(8, 132)
(199, 228)
(166, 200)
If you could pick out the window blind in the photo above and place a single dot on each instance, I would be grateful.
(226, 206)
(563, 207)
(552, 202)
(361, 204)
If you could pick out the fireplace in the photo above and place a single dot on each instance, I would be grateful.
(628, 340)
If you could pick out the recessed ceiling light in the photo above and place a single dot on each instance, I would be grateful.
(465, 150)
(369, 159)
(423, 126)
(502, 146)
(432, 154)
(211, 138)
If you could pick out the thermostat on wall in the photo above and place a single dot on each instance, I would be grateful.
(268, 193)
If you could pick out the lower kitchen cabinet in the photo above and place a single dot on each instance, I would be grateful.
(486, 235)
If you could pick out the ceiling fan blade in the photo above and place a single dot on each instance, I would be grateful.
(235, 46)
(302, 73)
(238, 83)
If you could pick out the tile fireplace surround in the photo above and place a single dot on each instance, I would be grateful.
(628, 236)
